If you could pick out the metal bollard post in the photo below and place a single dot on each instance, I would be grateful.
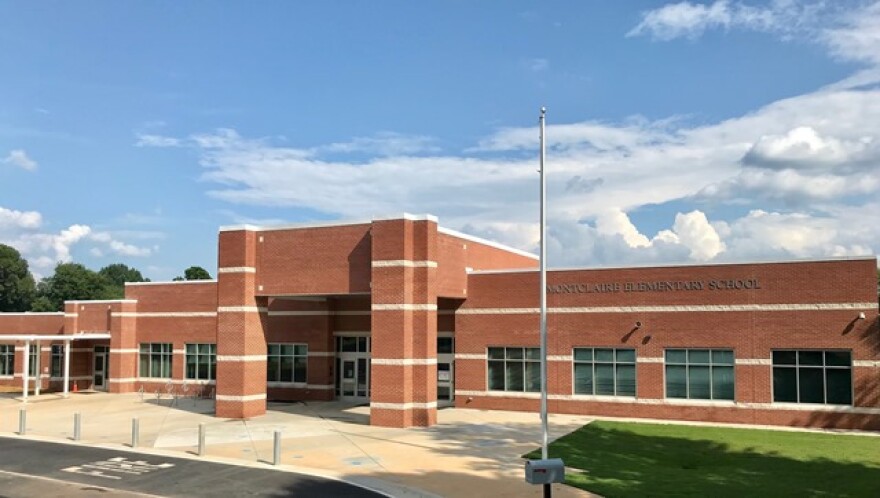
(201, 439)
(135, 430)
(276, 456)
(22, 422)
(77, 426)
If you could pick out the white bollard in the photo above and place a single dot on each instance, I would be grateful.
(77, 426)
(201, 439)
(135, 430)
(276, 456)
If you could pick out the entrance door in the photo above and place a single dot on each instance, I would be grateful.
(349, 378)
(353, 368)
(445, 371)
(102, 367)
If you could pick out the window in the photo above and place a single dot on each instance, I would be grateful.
(445, 345)
(514, 369)
(812, 377)
(352, 344)
(699, 374)
(201, 361)
(32, 366)
(7, 359)
(289, 362)
(57, 361)
(605, 371)
(156, 360)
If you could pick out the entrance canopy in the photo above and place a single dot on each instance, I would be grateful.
(38, 338)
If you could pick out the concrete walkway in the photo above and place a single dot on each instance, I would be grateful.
(468, 453)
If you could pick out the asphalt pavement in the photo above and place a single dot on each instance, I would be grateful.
(37, 468)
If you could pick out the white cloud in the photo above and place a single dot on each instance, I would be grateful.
(857, 37)
(19, 158)
(537, 65)
(383, 144)
(803, 146)
(690, 20)
(10, 218)
(148, 140)
(45, 248)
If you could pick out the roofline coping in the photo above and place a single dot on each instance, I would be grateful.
(327, 224)
(678, 265)
(480, 240)
(172, 282)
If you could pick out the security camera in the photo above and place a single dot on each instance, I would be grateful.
(638, 324)
(862, 315)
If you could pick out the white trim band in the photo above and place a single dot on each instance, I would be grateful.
(241, 309)
(403, 362)
(406, 263)
(165, 314)
(319, 313)
(672, 308)
(237, 269)
(806, 407)
(470, 356)
(649, 359)
(866, 363)
(403, 406)
(230, 397)
(753, 361)
(228, 358)
(125, 351)
(404, 307)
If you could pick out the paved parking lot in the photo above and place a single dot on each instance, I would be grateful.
(468, 453)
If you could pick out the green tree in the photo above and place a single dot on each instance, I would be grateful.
(117, 275)
(71, 281)
(17, 287)
(196, 273)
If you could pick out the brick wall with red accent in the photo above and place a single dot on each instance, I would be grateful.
(751, 309)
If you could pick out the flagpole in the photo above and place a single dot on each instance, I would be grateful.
(545, 436)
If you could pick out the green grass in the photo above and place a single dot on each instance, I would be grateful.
(634, 459)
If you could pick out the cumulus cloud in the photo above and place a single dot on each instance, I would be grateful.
(19, 158)
(804, 147)
(44, 248)
(11, 218)
(802, 168)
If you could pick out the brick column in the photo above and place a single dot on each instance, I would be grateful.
(404, 322)
(241, 342)
(123, 348)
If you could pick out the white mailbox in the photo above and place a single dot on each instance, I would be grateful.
(545, 471)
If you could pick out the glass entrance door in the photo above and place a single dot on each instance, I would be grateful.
(101, 367)
(445, 371)
(353, 368)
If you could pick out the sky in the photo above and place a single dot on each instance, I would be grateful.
(677, 132)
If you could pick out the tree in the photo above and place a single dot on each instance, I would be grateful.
(71, 281)
(117, 275)
(196, 273)
(17, 287)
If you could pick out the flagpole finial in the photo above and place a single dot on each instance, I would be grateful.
(543, 110)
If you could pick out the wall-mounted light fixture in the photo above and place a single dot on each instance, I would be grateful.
(861, 315)
(639, 324)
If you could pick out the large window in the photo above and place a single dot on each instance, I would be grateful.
(57, 361)
(699, 374)
(156, 360)
(201, 361)
(287, 363)
(605, 371)
(7, 359)
(515, 369)
(812, 377)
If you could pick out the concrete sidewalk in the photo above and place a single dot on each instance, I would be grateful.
(468, 453)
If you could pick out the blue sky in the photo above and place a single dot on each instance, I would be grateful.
(679, 131)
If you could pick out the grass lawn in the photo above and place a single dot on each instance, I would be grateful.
(634, 459)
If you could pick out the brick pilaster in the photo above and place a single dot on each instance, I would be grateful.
(241, 342)
(404, 323)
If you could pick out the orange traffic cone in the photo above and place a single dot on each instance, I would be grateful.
(75, 387)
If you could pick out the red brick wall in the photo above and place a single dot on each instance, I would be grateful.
(751, 334)
(328, 260)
